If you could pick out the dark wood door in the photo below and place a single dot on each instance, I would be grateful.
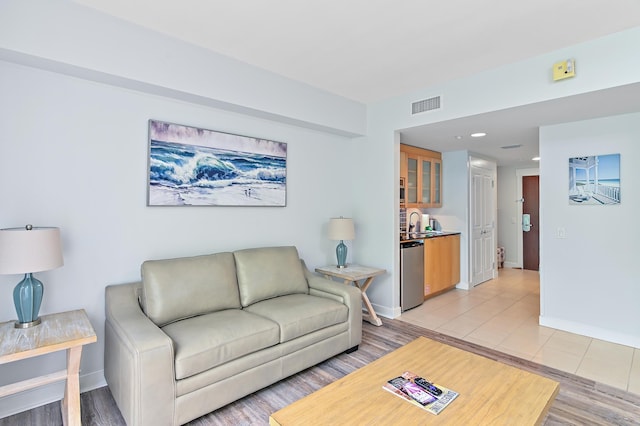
(531, 239)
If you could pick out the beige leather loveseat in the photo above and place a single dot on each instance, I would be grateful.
(200, 332)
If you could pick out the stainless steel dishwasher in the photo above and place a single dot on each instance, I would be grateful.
(411, 274)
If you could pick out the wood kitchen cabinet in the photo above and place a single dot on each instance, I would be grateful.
(441, 264)
(422, 171)
(403, 178)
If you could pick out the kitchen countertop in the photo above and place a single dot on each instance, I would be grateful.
(425, 235)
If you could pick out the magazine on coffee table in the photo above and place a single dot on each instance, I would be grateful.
(430, 399)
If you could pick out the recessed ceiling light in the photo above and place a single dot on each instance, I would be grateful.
(458, 137)
(478, 135)
(536, 159)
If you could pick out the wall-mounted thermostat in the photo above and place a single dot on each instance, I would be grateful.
(564, 69)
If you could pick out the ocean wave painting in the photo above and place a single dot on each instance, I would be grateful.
(189, 166)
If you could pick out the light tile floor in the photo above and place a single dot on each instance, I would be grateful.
(503, 314)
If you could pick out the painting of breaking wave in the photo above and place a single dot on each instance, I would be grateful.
(189, 166)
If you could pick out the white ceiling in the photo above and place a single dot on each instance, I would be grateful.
(370, 50)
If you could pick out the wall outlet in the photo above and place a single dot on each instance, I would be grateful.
(561, 233)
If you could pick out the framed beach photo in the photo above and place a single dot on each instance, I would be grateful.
(189, 166)
(594, 180)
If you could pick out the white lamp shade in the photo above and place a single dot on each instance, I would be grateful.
(341, 228)
(26, 251)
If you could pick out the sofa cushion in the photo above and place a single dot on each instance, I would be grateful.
(174, 289)
(300, 314)
(269, 272)
(206, 341)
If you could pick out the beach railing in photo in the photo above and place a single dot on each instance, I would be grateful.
(611, 192)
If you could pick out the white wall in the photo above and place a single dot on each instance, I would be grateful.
(376, 157)
(590, 278)
(74, 155)
(69, 38)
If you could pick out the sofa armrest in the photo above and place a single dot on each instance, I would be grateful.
(349, 295)
(138, 360)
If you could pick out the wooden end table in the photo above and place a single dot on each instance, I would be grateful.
(67, 330)
(352, 274)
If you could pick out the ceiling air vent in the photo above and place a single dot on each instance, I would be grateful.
(425, 105)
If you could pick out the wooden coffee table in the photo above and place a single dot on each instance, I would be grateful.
(490, 392)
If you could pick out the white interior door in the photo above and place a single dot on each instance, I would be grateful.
(483, 246)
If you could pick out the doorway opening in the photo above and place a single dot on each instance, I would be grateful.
(531, 223)
(529, 241)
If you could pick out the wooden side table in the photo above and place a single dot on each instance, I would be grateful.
(67, 330)
(352, 274)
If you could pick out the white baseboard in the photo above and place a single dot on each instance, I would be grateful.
(32, 398)
(385, 311)
(463, 285)
(511, 265)
(91, 381)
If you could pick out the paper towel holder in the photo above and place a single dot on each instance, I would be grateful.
(425, 222)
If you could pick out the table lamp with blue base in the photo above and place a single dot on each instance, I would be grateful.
(341, 229)
(27, 298)
(25, 251)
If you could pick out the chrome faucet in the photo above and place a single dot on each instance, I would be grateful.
(411, 226)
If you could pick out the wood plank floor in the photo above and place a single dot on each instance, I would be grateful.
(580, 401)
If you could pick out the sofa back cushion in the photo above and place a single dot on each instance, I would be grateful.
(174, 289)
(264, 273)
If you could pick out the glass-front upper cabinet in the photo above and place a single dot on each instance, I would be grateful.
(424, 176)
(437, 184)
(426, 181)
(412, 180)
